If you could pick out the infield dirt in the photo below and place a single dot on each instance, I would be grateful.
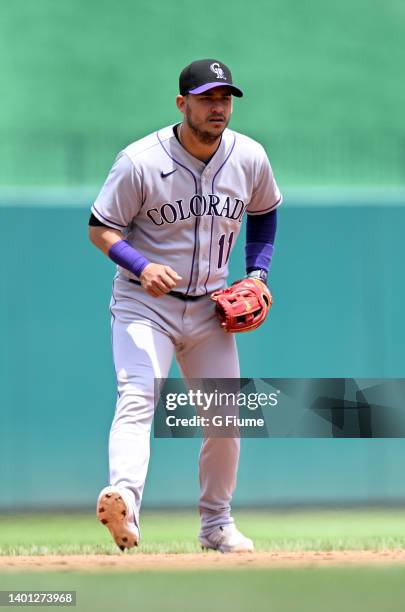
(212, 560)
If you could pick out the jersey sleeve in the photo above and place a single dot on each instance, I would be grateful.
(266, 195)
(120, 198)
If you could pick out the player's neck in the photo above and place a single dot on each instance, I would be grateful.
(195, 147)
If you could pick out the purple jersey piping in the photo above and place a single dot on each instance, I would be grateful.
(196, 190)
(212, 219)
(105, 218)
(263, 210)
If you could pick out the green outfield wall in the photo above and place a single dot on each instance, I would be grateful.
(337, 280)
(323, 82)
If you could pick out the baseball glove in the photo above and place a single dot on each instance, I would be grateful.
(243, 306)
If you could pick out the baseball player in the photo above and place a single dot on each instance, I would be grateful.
(168, 215)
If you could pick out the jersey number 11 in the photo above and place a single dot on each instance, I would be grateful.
(221, 243)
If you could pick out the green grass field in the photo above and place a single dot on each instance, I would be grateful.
(354, 589)
(296, 590)
(177, 532)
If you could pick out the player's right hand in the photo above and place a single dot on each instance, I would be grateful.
(158, 280)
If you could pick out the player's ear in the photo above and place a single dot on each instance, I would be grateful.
(180, 103)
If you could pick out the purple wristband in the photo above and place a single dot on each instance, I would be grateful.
(123, 254)
(258, 256)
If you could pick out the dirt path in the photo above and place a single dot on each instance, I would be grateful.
(259, 560)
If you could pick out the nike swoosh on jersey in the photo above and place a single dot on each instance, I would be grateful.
(164, 174)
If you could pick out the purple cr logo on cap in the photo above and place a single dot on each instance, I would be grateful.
(216, 68)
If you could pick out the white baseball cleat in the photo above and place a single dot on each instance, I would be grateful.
(227, 539)
(114, 510)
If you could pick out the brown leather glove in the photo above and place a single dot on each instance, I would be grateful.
(243, 306)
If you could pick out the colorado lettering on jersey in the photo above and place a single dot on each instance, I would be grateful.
(197, 206)
(178, 211)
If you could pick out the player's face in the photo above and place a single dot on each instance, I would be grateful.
(208, 114)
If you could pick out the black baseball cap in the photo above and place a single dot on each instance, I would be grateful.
(205, 74)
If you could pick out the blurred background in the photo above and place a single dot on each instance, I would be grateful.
(324, 93)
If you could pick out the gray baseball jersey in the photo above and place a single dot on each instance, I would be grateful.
(178, 211)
